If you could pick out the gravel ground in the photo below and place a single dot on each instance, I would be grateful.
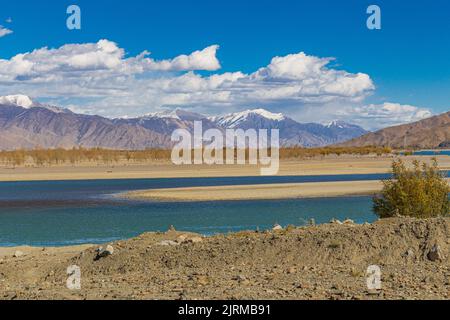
(316, 262)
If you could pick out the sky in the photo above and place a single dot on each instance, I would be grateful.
(312, 60)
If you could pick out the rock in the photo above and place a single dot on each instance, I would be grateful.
(182, 238)
(18, 254)
(186, 239)
(168, 243)
(109, 249)
(195, 239)
(245, 282)
(409, 253)
(104, 252)
(277, 227)
(172, 228)
(242, 279)
(435, 254)
(335, 221)
(202, 280)
(348, 221)
(291, 270)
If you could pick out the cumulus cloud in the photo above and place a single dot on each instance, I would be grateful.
(100, 59)
(114, 84)
(4, 31)
(100, 78)
(374, 116)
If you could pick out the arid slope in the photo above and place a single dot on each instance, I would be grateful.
(433, 132)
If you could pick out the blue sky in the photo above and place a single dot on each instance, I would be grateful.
(407, 60)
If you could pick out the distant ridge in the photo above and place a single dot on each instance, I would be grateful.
(26, 124)
(432, 132)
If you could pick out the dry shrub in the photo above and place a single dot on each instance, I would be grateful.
(420, 192)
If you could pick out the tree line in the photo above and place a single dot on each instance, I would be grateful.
(58, 156)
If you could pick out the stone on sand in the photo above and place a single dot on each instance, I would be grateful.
(168, 243)
(277, 227)
(104, 252)
(435, 254)
(18, 254)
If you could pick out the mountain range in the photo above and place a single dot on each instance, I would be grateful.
(430, 133)
(28, 124)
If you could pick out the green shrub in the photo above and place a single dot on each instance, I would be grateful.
(420, 192)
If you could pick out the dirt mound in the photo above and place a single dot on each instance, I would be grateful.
(316, 262)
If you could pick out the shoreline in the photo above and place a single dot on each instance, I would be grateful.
(326, 166)
(277, 191)
(50, 250)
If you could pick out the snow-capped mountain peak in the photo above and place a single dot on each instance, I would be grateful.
(339, 124)
(171, 114)
(267, 114)
(152, 130)
(18, 100)
(233, 120)
(53, 108)
(178, 114)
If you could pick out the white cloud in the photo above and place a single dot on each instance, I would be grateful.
(101, 59)
(199, 60)
(375, 116)
(4, 31)
(114, 84)
(100, 78)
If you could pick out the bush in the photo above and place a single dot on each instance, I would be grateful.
(420, 192)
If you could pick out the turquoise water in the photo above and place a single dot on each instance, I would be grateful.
(432, 153)
(56, 213)
(103, 221)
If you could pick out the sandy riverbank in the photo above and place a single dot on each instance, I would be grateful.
(336, 165)
(254, 192)
(317, 262)
(27, 250)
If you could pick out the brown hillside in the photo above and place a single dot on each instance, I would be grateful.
(433, 132)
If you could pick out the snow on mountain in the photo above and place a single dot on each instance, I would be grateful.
(339, 124)
(171, 114)
(291, 131)
(178, 114)
(50, 126)
(53, 108)
(233, 120)
(344, 130)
